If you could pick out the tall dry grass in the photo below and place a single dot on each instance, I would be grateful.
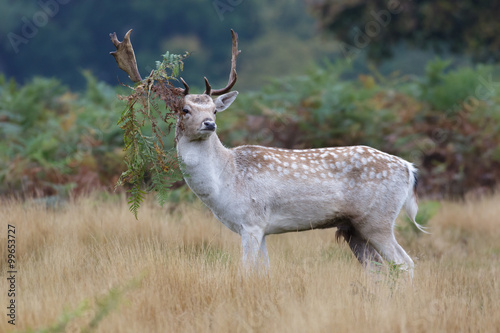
(187, 267)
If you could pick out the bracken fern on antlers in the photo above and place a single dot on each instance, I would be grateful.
(146, 156)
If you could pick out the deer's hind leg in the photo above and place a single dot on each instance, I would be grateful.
(366, 254)
(381, 238)
(393, 253)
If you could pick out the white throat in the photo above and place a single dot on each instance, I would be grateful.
(204, 165)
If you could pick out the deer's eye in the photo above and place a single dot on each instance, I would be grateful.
(186, 111)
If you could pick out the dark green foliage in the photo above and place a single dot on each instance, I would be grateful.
(315, 110)
(465, 27)
(53, 141)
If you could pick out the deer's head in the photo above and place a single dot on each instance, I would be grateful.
(197, 118)
(196, 113)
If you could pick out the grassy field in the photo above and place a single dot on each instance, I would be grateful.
(90, 266)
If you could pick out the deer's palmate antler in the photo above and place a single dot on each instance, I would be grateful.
(125, 56)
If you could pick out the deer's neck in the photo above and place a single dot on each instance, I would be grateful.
(206, 165)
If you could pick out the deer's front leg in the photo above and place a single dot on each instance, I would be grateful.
(254, 250)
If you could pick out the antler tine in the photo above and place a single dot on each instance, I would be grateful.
(186, 87)
(125, 56)
(232, 75)
(208, 88)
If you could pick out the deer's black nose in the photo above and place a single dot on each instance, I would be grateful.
(209, 125)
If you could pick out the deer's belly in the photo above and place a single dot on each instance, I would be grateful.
(307, 219)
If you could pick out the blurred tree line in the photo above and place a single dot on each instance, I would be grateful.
(464, 27)
(59, 38)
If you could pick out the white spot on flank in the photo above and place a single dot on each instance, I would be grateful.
(304, 177)
(286, 164)
(279, 169)
(296, 174)
(372, 174)
(305, 166)
(294, 165)
(338, 164)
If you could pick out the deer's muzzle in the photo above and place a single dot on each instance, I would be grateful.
(208, 125)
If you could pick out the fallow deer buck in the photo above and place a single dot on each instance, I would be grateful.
(257, 191)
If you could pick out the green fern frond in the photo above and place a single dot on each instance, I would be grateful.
(136, 198)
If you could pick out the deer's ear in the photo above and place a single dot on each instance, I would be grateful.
(224, 101)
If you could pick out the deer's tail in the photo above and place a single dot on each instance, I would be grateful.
(410, 205)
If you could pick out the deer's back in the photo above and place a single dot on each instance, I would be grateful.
(319, 188)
